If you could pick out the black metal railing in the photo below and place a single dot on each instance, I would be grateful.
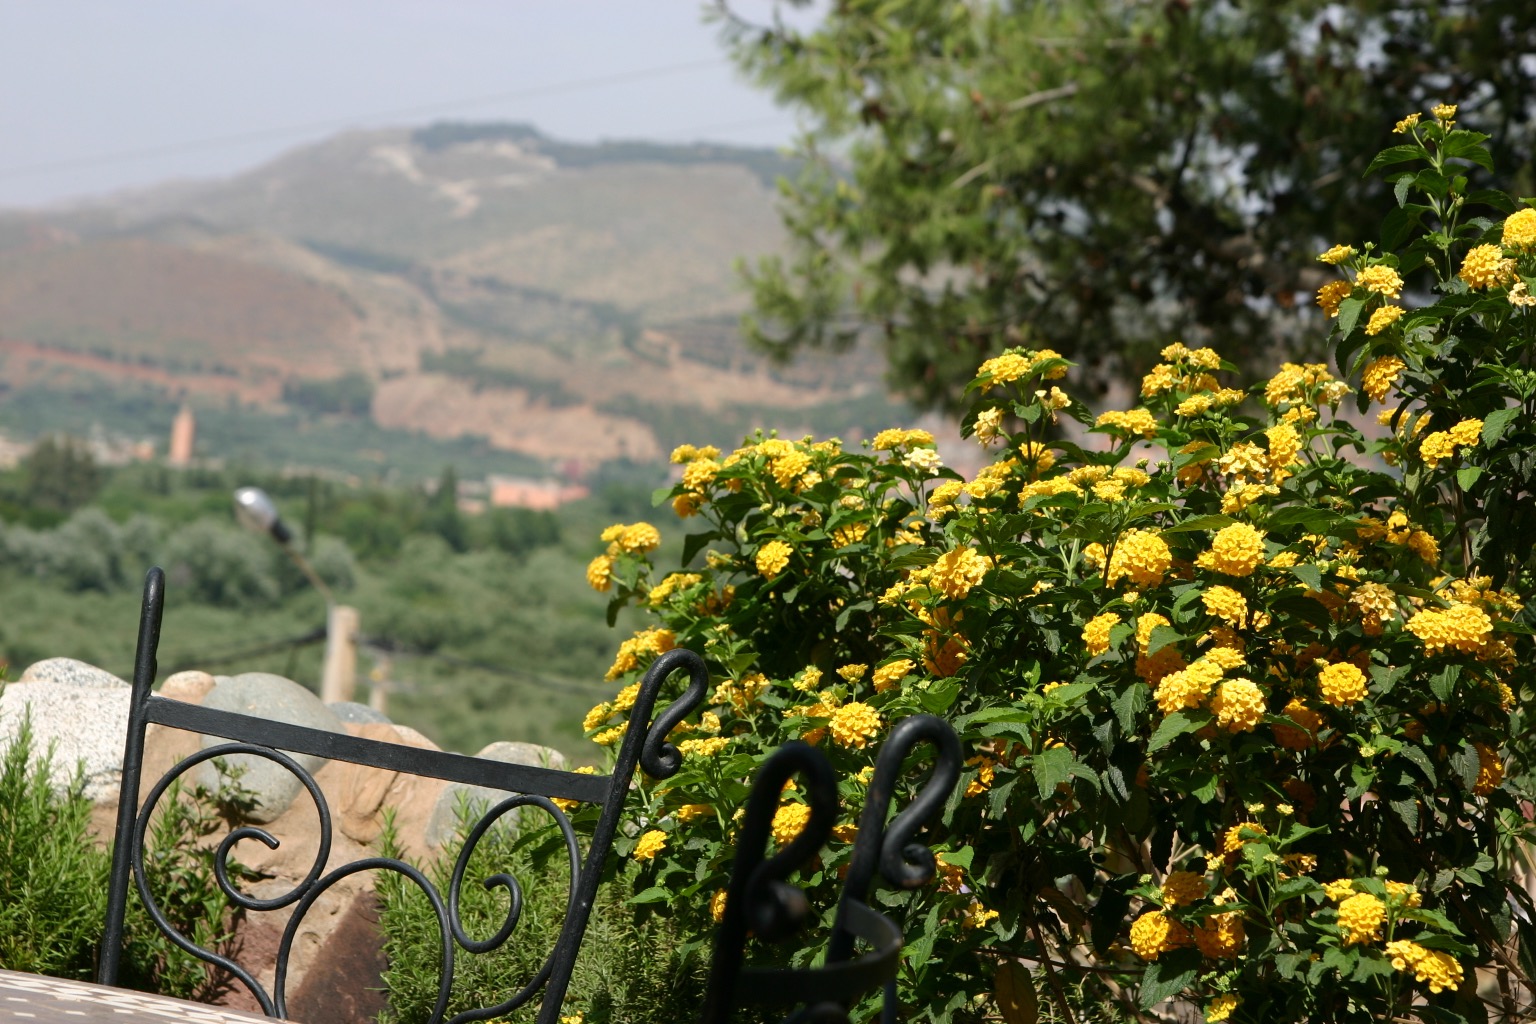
(760, 902)
(644, 744)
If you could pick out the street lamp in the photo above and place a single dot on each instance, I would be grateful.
(338, 681)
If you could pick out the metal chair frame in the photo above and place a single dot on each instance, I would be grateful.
(760, 902)
(644, 744)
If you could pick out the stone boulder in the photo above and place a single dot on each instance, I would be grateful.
(78, 713)
(264, 695)
(69, 672)
(479, 799)
(189, 687)
(353, 713)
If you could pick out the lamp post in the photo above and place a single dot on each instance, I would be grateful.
(338, 680)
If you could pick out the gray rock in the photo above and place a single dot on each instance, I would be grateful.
(513, 752)
(69, 672)
(84, 725)
(264, 695)
(479, 799)
(354, 713)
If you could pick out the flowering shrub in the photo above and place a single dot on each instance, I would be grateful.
(1237, 698)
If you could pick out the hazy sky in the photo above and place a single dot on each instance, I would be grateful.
(97, 95)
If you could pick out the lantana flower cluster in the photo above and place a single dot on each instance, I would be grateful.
(1204, 656)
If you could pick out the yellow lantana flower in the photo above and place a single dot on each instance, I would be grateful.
(1237, 550)
(1520, 230)
(855, 724)
(1382, 318)
(772, 557)
(1382, 280)
(650, 844)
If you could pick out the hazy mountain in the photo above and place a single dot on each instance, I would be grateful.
(565, 302)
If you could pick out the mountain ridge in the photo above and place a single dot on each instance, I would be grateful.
(566, 303)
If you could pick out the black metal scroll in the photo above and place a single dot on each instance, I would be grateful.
(761, 903)
(644, 744)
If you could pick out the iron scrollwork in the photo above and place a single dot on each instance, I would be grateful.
(644, 744)
(760, 902)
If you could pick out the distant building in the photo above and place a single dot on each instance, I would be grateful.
(523, 492)
(12, 452)
(183, 436)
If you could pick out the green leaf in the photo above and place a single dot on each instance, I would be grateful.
(1288, 963)
(1309, 575)
(1362, 778)
(1429, 940)
(1211, 522)
(1432, 182)
(1372, 966)
(1443, 683)
(997, 714)
(1341, 960)
(1467, 476)
(1386, 678)
(997, 797)
(1349, 315)
(1203, 786)
(939, 696)
(1128, 705)
(846, 613)
(1312, 520)
(1415, 755)
(961, 857)
(1055, 765)
(1172, 727)
(693, 543)
(1488, 197)
(655, 894)
(1167, 977)
(1466, 763)
(1293, 887)
(1161, 637)
(1467, 145)
(1495, 423)
(1393, 155)
(1182, 459)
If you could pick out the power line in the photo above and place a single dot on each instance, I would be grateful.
(314, 636)
(392, 647)
(283, 131)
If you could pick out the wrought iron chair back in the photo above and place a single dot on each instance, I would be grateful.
(644, 743)
(760, 901)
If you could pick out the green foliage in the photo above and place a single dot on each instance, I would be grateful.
(180, 869)
(501, 640)
(1461, 364)
(250, 436)
(53, 878)
(348, 395)
(632, 968)
(1096, 177)
(57, 476)
(442, 515)
(221, 564)
(1240, 698)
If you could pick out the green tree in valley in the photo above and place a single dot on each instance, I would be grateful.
(442, 515)
(59, 475)
(1099, 177)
